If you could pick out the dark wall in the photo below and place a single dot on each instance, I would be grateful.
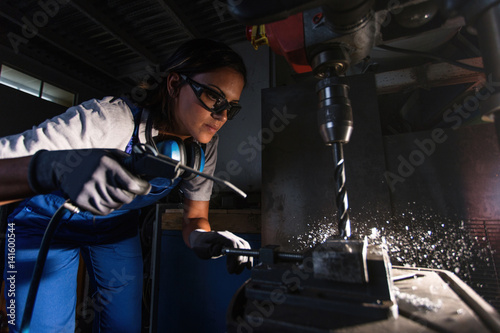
(21, 111)
(451, 172)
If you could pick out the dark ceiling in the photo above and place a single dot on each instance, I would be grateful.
(108, 44)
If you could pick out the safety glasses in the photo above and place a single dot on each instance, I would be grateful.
(211, 99)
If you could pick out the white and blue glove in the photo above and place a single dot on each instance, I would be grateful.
(209, 244)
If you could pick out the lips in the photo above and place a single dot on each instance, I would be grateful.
(212, 128)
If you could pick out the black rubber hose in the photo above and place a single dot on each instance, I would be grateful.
(38, 270)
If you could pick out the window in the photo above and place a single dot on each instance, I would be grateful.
(57, 95)
(33, 86)
(20, 81)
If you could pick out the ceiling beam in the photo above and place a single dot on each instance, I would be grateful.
(38, 69)
(14, 16)
(178, 17)
(101, 19)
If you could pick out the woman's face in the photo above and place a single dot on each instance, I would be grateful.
(192, 119)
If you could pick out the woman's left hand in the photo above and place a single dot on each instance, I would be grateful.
(209, 244)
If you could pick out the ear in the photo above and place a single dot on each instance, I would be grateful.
(174, 82)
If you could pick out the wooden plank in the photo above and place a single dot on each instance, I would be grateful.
(238, 220)
(427, 76)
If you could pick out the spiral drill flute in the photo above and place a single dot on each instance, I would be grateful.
(341, 194)
(335, 123)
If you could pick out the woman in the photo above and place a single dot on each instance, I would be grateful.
(79, 155)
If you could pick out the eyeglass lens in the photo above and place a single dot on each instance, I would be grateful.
(212, 100)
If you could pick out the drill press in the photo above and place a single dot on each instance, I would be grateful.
(352, 278)
(341, 284)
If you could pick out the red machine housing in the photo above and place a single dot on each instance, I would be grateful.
(286, 38)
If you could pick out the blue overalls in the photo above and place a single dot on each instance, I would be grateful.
(111, 248)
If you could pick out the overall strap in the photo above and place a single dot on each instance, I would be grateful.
(136, 113)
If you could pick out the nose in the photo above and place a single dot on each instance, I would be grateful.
(221, 116)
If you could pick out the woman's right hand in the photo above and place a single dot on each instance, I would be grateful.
(93, 179)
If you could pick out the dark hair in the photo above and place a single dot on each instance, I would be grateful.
(192, 57)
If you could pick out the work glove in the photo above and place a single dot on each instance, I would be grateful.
(209, 244)
(93, 179)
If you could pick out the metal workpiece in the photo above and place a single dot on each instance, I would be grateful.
(341, 260)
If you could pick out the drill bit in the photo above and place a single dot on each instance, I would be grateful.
(341, 194)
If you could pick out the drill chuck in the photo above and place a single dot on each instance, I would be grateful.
(335, 111)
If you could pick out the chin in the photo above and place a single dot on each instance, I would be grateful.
(203, 138)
